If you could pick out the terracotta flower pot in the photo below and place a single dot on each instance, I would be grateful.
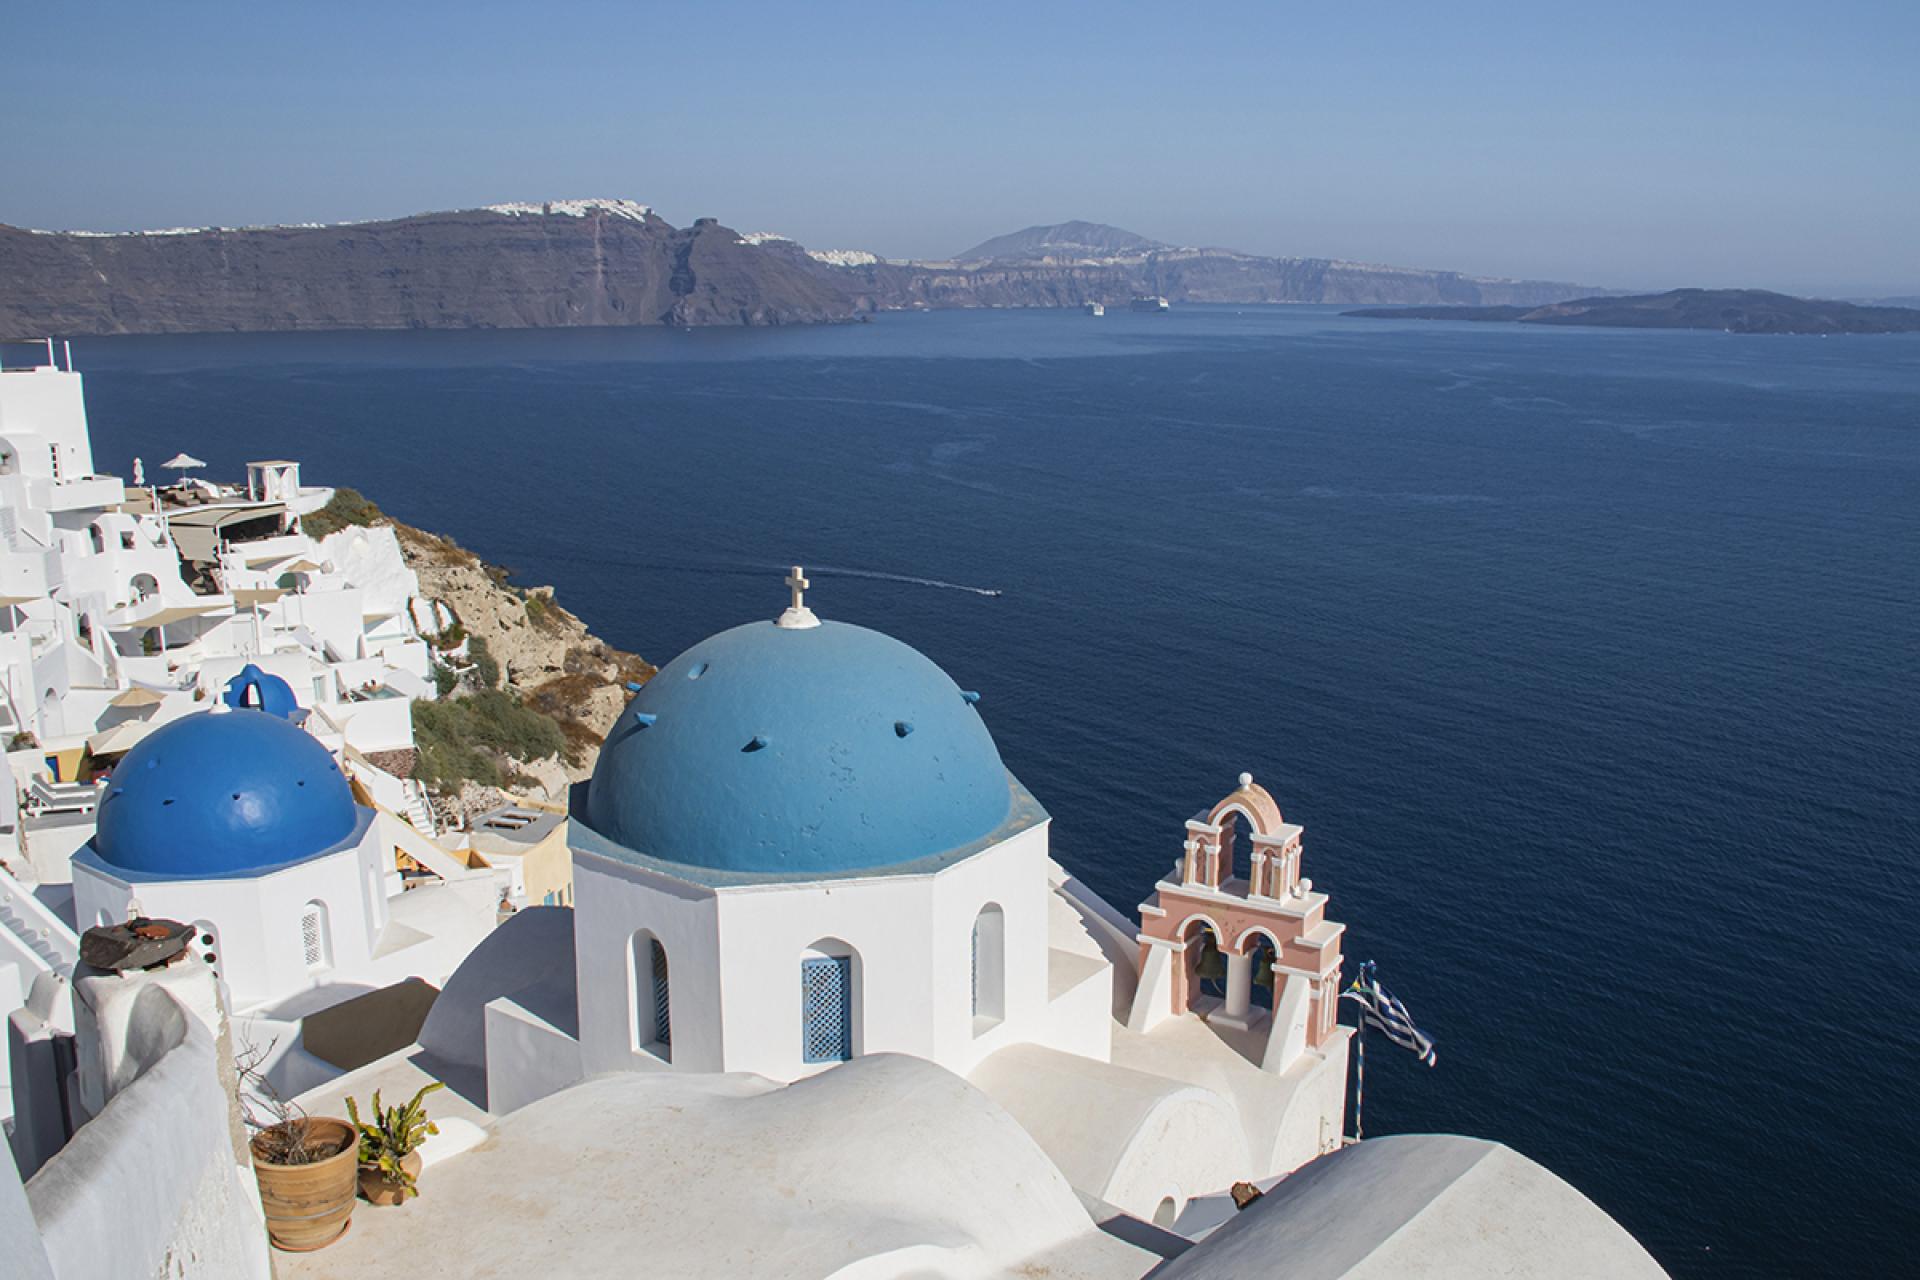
(308, 1206)
(375, 1187)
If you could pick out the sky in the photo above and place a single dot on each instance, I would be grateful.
(1626, 144)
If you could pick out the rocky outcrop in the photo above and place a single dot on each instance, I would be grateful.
(547, 657)
(1729, 310)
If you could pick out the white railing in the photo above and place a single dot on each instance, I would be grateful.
(32, 925)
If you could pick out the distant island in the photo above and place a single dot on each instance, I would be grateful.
(1733, 310)
(564, 263)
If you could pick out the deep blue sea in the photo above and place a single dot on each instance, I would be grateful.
(1589, 659)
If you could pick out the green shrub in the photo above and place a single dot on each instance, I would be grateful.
(347, 507)
(469, 738)
(486, 666)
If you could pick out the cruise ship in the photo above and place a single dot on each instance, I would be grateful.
(1154, 304)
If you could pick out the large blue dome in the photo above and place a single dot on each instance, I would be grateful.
(220, 794)
(813, 750)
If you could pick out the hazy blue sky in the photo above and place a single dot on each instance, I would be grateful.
(1616, 143)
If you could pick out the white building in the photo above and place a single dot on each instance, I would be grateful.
(121, 610)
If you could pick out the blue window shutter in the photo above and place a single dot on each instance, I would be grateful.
(662, 1010)
(826, 1008)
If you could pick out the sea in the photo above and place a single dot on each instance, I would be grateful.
(1589, 659)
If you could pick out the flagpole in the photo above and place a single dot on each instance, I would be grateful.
(1360, 1083)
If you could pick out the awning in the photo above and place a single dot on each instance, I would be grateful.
(196, 530)
(168, 615)
(121, 737)
(247, 597)
(137, 697)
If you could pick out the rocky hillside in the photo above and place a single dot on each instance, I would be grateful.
(546, 656)
(510, 266)
(611, 262)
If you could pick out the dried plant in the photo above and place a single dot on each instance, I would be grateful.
(282, 1131)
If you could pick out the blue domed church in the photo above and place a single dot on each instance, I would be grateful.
(241, 822)
(800, 845)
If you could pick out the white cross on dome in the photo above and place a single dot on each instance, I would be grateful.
(797, 616)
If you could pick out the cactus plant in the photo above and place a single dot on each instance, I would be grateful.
(390, 1135)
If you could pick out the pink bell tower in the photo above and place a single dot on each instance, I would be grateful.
(1236, 891)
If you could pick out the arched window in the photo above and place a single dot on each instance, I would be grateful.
(829, 980)
(651, 985)
(144, 585)
(316, 938)
(99, 539)
(989, 967)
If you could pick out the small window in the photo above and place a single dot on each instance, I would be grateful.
(989, 967)
(314, 939)
(652, 996)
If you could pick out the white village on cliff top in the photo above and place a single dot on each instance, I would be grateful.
(792, 985)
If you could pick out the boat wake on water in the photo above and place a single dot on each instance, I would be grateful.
(905, 579)
(748, 568)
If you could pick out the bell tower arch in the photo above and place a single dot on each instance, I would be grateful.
(1237, 895)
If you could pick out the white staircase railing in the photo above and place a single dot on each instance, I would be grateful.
(419, 809)
(30, 928)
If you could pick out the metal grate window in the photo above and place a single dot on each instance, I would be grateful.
(826, 1004)
(313, 934)
(662, 1008)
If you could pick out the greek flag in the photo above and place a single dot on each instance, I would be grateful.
(1381, 1009)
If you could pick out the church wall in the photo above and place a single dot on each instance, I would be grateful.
(261, 956)
(764, 932)
(913, 941)
(1315, 1115)
(611, 901)
(1013, 875)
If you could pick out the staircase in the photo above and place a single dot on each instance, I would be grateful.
(32, 933)
(419, 810)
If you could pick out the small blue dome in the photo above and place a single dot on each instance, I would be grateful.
(798, 751)
(220, 794)
(256, 688)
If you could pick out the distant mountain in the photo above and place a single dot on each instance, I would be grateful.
(568, 262)
(1069, 264)
(1734, 310)
(1069, 241)
(614, 262)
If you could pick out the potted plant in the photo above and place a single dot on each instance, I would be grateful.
(304, 1164)
(389, 1147)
